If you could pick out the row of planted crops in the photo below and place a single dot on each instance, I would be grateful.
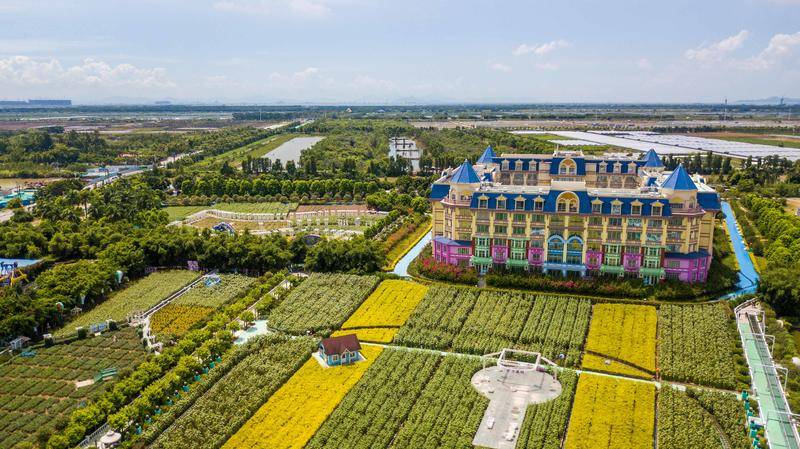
(271, 393)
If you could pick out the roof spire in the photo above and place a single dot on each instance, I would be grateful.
(465, 174)
(651, 159)
(679, 179)
(487, 156)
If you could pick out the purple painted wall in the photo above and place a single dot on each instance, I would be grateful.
(499, 253)
(449, 253)
(632, 262)
(687, 270)
(536, 256)
(593, 259)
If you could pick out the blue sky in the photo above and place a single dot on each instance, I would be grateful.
(346, 51)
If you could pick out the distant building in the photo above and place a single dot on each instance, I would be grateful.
(566, 212)
(402, 147)
(342, 350)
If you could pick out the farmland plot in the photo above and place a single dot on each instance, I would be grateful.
(683, 422)
(698, 345)
(139, 296)
(545, 425)
(225, 407)
(611, 413)
(322, 302)
(626, 336)
(291, 416)
(384, 311)
(406, 401)
(474, 321)
(36, 391)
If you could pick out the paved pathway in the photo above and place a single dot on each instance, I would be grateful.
(748, 276)
(766, 383)
(401, 268)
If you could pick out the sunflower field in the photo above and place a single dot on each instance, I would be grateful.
(293, 414)
(612, 413)
(138, 296)
(699, 345)
(622, 340)
(385, 310)
(408, 400)
(321, 303)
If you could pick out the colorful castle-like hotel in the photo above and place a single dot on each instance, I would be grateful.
(612, 214)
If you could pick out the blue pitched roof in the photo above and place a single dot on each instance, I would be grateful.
(439, 191)
(447, 241)
(487, 156)
(687, 256)
(651, 159)
(679, 180)
(465, 174)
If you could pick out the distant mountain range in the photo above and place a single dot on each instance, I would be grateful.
(770, 101)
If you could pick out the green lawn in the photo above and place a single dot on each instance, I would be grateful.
(181, 212)
(255, 149)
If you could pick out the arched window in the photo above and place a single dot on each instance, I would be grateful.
(567, 167)
(568, 202)
(555, 249)
(574, 250)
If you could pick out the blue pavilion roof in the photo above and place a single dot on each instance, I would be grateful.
(679, 180)
(439, 191)
(651, 159)
(487, 156)
(465, 174)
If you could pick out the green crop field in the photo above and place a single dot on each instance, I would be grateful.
(139, 296)
(36, 391)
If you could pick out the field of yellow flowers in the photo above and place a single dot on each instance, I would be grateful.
(622, 333)
(384, 311)
(610, 412)
(294, 413)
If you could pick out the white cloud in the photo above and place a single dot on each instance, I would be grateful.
(498, 67)
(301, 8)
(543, 49)
(644, 64)
(779, 47)
(718, 50)
(547, 66)
(26, 71)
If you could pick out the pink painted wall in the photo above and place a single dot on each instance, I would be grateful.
(688, 270)
(632, 261)
(593, 259)
(536, 256)
(499, 253)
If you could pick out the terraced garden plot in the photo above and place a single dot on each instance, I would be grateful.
(36, 391)
(176, 320)
(266, 364)
(408, 400)
(545, 425)
(477, 322)
(698, 345)
(293, 414)
(622, 340)
(138, 296)
(322, 303)
(700, 420)
(384, 311)
(229, 287)
(611, 413)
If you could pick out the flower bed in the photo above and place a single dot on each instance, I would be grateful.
(624, 334)
(321, 303)
(611, 412)
(293, 414)
(139, 296)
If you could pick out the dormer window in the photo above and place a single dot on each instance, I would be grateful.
(602, 167)
(501, 204)
(616, 209)
(519, 205)
(567, 167)
(505, 165)
(483, 203)
(597, 208)
(636, 209)
(538, 204)
(655, 211)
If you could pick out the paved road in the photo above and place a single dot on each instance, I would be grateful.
(401, 268)
(748, 276)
